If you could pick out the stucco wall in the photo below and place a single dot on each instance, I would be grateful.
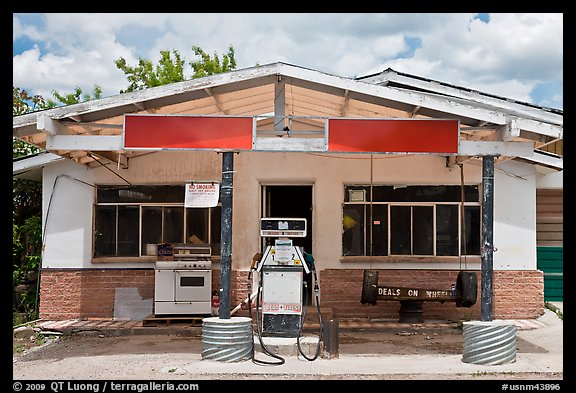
(514, 216)
(328, 174)
(68, 238)
(68, 202)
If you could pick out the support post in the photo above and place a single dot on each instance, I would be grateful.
(279, 104)
(487, 295)
(226, 233)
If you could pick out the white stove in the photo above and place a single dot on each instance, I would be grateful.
(183, 280)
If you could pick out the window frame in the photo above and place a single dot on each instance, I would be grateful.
(368, 241)
(141, 249)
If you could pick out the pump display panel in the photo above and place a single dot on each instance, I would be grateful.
(283, 227)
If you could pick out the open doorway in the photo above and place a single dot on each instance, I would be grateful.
(291, 201)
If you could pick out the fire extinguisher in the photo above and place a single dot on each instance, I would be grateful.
(215, 303)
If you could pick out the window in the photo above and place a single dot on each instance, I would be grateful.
(410, 220)
(129, 218)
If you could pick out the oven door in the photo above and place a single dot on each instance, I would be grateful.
(193, 285)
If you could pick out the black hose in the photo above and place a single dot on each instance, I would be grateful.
(281, 360)
(316, 290)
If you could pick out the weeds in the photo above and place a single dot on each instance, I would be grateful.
(555, 310)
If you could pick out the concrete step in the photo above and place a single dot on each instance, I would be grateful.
(288, 346)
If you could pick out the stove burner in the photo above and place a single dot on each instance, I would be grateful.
(186, 256)
(189, 264)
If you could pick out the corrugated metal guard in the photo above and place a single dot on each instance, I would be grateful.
(489, 343)
(227, 340)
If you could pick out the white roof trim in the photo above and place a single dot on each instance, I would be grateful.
(445, 104)
(34, 162)
(514, 107)
(548, 160)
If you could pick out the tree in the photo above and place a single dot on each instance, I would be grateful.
(23, 103)
(209, 66)
(145, 75)
(77, 96)
(170, 68)
(26, 213)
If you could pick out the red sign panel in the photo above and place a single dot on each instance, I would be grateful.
(393, 136)
(187, 132)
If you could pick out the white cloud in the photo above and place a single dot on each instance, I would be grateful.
(508, 56)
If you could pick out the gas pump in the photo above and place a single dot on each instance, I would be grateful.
(281, 268)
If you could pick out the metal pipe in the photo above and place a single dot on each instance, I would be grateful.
(245, 301)
(487, 295)
(226, 233)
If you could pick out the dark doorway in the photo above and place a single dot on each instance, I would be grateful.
(291, 201)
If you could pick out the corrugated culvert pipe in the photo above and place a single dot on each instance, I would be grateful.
(490, 343)
(227, 340)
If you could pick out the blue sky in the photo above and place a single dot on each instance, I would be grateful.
(518, 56)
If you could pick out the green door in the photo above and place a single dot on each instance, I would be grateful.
(550, 261)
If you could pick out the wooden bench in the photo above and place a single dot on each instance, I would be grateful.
(463, 293)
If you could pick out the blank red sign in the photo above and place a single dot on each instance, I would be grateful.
(393, 136)
(344, 135)
(187, 132)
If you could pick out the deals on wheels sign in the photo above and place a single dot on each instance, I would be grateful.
(202, 194)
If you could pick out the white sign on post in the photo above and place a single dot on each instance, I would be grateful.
(202, 194)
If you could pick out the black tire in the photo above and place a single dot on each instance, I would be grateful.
(466, 289)
(369, 287)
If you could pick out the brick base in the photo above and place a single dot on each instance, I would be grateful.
(517, 294)
(90, 293)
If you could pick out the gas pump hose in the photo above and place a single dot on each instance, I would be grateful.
(316, 291)
(281, 360)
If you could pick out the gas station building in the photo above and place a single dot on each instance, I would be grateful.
(387, 169)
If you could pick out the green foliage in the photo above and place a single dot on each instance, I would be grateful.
(77, 96)
(209, 66)
(26, 255)
(555, 310)
(21, 148)
(23, 103)
(145, 75)
(26, 213)
(170, 68)
(26, 201)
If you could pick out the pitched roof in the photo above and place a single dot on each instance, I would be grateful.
(392, 78)
(306, 96)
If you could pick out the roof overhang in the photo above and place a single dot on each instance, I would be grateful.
(30, 167)
(279, 93)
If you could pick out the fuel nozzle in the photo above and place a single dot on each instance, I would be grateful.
(255, 260)
(309, 259)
